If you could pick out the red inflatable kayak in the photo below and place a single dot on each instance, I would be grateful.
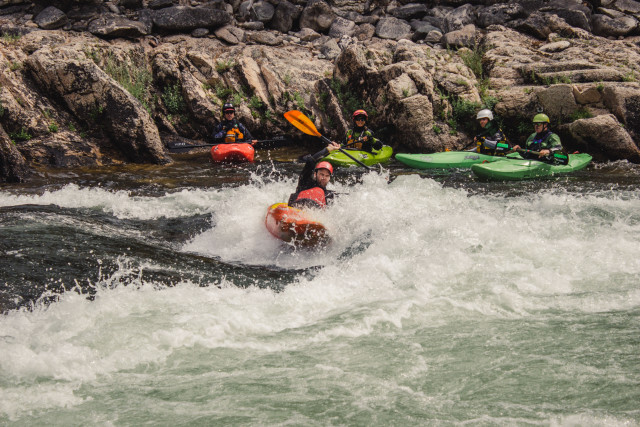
(295, 226)
(235, 152)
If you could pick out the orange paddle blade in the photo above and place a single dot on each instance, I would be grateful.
(302, 122)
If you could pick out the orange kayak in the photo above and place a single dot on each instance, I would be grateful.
(295, 226)
(235, 152)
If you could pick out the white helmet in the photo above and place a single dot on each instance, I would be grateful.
(484, 114)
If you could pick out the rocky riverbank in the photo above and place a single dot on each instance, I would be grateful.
(97, 82)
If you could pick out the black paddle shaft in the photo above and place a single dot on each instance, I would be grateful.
(328, 141)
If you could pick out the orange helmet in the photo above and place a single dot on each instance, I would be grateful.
(325, 165)
(360, 113)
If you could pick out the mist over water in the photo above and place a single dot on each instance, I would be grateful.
(441, 300)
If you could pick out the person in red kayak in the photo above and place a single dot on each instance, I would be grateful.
(311, 190)
(230, 130)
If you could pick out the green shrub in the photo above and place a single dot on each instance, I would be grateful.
(172, 98)
(23, 135)
(472, 58)
(582, 113)
(134, 77)
(224, 66)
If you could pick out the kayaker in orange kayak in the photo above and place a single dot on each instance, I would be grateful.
(230, 130)
(311, 190)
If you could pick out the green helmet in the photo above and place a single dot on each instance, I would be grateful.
(541, 118)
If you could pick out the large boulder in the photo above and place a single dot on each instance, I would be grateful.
(624, 102)
(51, 18)
(13, 167)
(187, 18)
(393, 28)
(603, 137)
(318, 16)
(114, 26)
(285, 15)
(65, 73)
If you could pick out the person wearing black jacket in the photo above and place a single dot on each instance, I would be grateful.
(311, 190)
(490, 140)
(230, 130)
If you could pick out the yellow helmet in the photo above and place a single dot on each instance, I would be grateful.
(541, 118)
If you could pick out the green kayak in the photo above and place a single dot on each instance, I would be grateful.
(514, 170)
(338, 158)
(448, 159)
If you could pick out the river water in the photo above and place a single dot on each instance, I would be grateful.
(155, 295)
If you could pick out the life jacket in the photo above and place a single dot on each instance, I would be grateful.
(315, 194)
(233, 134)
(351, 138)
(492, 141)
(538, 139)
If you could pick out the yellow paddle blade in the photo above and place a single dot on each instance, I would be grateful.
(302, 122)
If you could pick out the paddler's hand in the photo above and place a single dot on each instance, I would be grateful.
(544, 153)
(333, 146)
(515, 147)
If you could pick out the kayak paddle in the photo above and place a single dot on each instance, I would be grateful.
(302, 122)
(184, 145)
(560, 157)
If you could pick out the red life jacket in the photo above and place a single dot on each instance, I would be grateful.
(316, 194)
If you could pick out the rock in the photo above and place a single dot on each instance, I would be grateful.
(465, 37)
(262, 11)
(284, 16)
(342, 27)
(573, 12)
(13, 167)
(624, 102)
(230, 34)
(413, 118)
(434, 36)
(197, 102)
(603, 137)
(51, 18)
(557, 101)
(187, 18)
(307, 35)
(112, 26)
(94, 97)
(555, 47)
(330, 49)
(160, 4)
(614, 27)
(199, 33)
(364, 32)
(252, 26)
(589, 95)
(499, 14)
(318, 16)
(627, 6)
(410, 11)
(393, 28)
(459, 18)
(130, 4)
(264, 37)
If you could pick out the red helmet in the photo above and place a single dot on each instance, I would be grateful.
(325, 165)
(360, 113)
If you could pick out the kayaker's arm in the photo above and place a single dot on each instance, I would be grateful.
(325, 151)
